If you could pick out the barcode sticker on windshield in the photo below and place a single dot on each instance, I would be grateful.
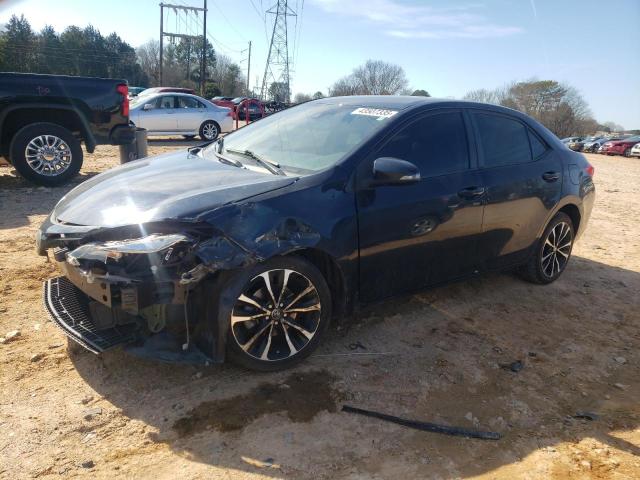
(374, 112)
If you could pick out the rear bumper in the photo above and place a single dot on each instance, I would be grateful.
(122, 134)
(69, 309)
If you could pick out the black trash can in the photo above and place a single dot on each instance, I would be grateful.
(136, 149)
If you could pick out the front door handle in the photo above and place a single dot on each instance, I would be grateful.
(471, 192)
(550, 176)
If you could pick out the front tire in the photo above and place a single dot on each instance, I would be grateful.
(552, 252)
(277, 311)
(46, 154)
(209, 131)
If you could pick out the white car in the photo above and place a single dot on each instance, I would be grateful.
(635, 150)
(180, 114)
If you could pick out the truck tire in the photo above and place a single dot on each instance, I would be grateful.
(46, 154)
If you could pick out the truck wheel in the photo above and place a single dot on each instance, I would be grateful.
(46, 154)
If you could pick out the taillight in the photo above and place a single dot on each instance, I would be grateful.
(589, 170)
(123, 90)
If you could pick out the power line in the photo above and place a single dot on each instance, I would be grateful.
(229, 22)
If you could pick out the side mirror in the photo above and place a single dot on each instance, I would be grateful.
(148, 106)
(393, 171)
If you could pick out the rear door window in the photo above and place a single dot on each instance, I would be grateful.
(436, 144)
(503, 140)
(187, 102)
(166, 102)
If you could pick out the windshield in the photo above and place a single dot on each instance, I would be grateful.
(306, 138)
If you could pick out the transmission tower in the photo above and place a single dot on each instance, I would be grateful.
(277, 67)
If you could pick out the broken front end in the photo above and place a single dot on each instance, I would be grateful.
(147, 292)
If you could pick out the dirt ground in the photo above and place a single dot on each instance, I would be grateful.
(435, 356)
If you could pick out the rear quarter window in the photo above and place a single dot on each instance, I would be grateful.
(503, 141)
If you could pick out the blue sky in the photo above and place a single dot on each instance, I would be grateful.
(445, 47)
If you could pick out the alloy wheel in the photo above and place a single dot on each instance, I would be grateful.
(277, 315)
(48, 155)
(556, 249)
(210, 131)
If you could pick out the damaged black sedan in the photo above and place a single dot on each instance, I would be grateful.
(246, 248)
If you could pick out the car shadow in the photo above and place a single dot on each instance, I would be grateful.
(443, 355)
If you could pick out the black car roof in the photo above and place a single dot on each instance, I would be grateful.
(402, 102)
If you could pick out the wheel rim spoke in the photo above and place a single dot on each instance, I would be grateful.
(267, 347)
(252, 340)
(251, 301)
(304, 332)
(292, 349)
(267, 282)
(310, 308)
(302, 294)
(287, 273)
(241, 318)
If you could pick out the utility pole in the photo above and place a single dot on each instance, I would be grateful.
(249, 69)
(277, 68)
(248, 60)
(203, 73)
(174, 35)
(161, 41)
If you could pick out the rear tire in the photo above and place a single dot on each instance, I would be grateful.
(552, 252)
(275, 340)
(46, 154)
(209, 131)
(627, 152)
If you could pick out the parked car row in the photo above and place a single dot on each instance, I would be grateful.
(629, 146)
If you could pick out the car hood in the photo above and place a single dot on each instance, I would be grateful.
(176, 185)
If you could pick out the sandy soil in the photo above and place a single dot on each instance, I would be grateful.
(435, 356)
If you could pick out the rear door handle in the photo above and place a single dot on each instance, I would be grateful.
(550, 176)
(471, 192)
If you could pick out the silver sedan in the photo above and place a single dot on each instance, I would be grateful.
(180, 114)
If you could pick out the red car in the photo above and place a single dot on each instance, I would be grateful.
(620, 147)
(224, 102)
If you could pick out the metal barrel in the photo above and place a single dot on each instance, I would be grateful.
(136, 149)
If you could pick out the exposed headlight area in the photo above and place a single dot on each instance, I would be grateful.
(115, 250)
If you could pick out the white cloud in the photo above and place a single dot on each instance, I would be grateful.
(404, 20)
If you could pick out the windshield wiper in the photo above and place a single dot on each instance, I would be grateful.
(273, 167)
(228, 161)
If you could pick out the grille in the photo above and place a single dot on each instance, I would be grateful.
(68, 307)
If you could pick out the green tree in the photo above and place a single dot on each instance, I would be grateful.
(279, 92)
(420, 93)
(301, 98)
(19, 46)
(375, 77)
(318, 95)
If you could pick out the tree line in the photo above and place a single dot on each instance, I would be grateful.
(558, 106)
(85, 51)
(75, 51)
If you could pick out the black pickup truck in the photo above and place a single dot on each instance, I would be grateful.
(44, 119)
